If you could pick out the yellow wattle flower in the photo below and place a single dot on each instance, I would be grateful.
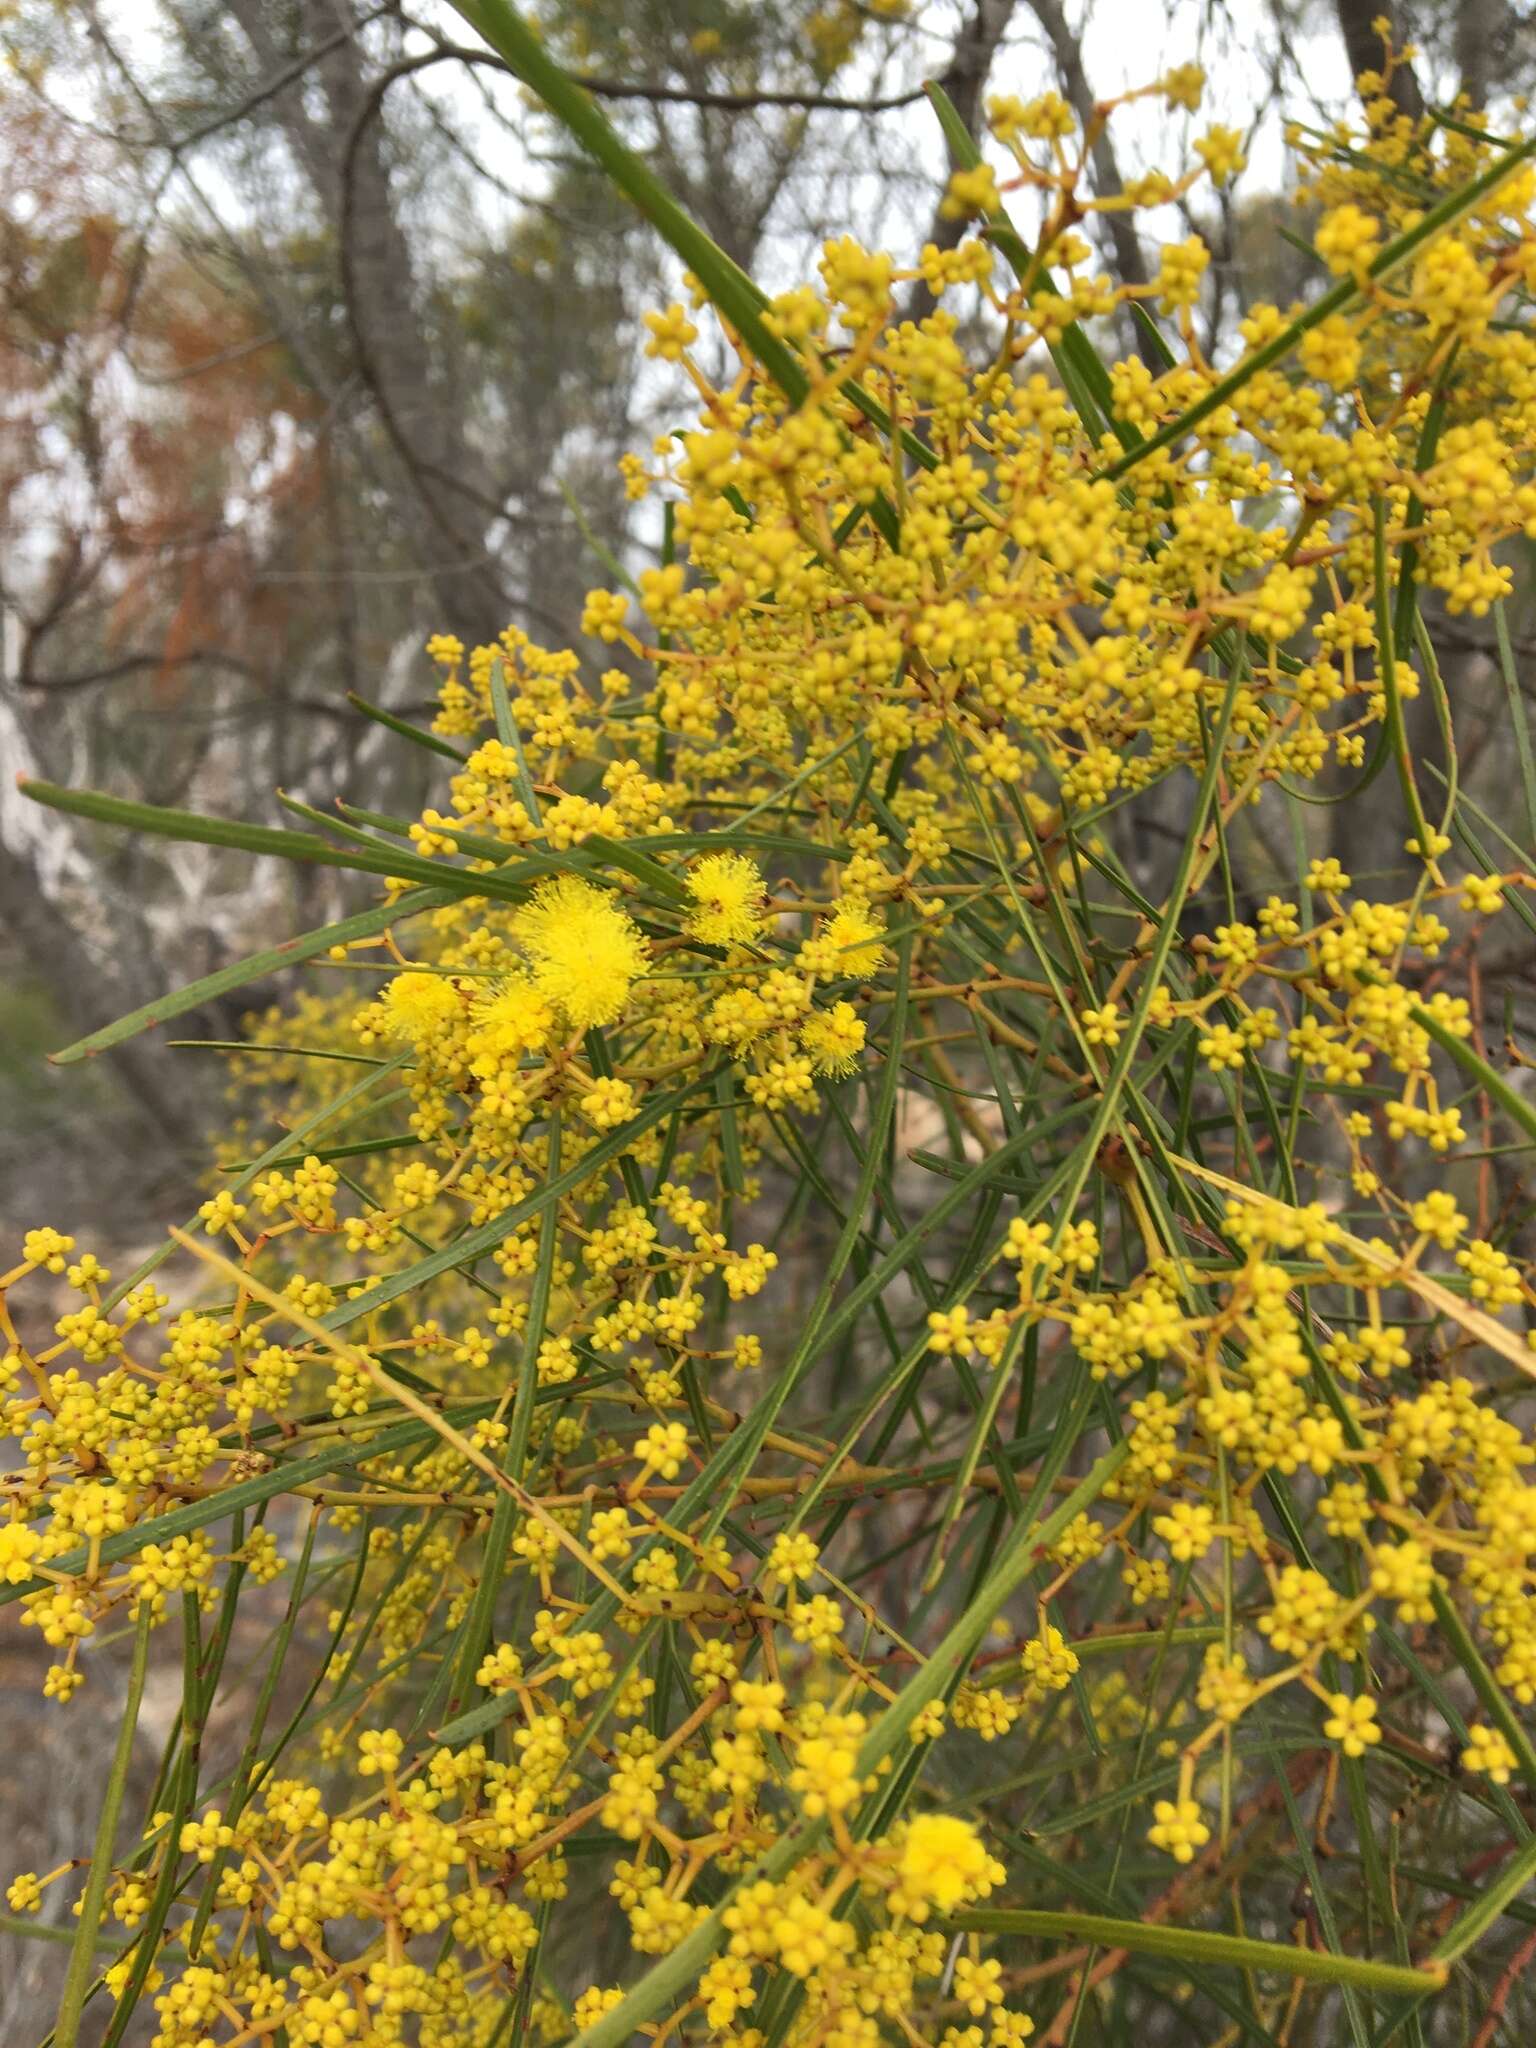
(584, 952)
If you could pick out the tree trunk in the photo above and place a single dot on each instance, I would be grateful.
(965, 80)
(344, 155)
(1482, 27)
(1365, 50)
(165, 1112)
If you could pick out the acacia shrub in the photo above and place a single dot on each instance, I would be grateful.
(1103, 1599)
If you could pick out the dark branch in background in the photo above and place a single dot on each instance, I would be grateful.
(1364, 49)
(601, 88)
(147, 663)
(1067, 49)
(348, 170)
(90, 992)
(1107, 182)
(744, 102)
(280, 80)
(164, 380)
(448, 133)
(367, 113)
(964, 81)
(430, 477)
(289, 336)
(439, 484)
(1484, 38)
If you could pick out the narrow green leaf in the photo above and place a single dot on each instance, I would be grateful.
(1193, 1944)
(254, 967)
(1474, 1065)
(160, 822)
(726, 283)
(1077, 361)
(284, 1477)
(1519, 719)
(432, 741)
(1480, 1916)
(477, 1625)
(77, 1981)
(511, 738)
(668, 1978)
(1337, 299)
(488, 1235)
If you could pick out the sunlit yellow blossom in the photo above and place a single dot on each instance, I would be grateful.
(584, 952)
(727, 889)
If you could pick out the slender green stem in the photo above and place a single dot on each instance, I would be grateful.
(82, 1963)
